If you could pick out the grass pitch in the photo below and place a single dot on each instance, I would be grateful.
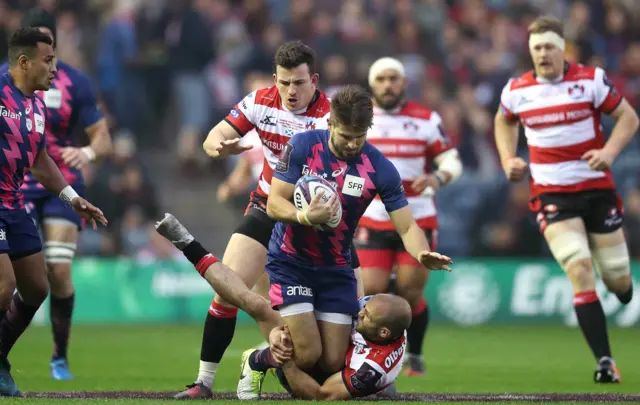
(146, 364)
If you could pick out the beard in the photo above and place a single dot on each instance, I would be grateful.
(389, 104)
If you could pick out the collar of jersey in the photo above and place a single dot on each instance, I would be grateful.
(557, 79)
(395, 110)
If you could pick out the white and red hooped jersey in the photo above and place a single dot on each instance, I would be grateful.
(561, 122)
(410, 137)
(263, 110)
(370, 368)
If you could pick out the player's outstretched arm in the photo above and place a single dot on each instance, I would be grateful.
(223, 140)
(415, 242)
(48, 174)
(305, 387)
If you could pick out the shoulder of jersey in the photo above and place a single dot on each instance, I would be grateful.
(414, 110)
(4, 68)
(575, 72)
(268, 96)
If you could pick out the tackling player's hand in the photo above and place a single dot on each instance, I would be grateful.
(424, 181)
(319, 213)
(515, 168)
(231, 147)
(75, 157)
(599, 159)
(280, 344)
(89, 212)
(435, 261)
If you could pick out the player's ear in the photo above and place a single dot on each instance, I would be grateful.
(385, 333)
(315, 78)
(275, 79)
(24, 61)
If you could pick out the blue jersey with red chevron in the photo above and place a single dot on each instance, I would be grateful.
(70, 103)
(358, 180)
(22, 127)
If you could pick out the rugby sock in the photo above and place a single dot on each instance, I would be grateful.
(626, 296)
(61, 310)
(262, 360)
(219, 328)
(593, 323)
(199, 256)
(418, 328)
(14, 324)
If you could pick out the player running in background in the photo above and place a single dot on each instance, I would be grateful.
(375, 347)
(411, 137)
(70, 104)
(292, 105)
(313, 285)
(22, 123)
(572, 190)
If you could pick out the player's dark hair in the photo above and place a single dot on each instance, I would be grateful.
(546, 23)
(39, 17)
(352, 106)
(293, 54)
(25, 42)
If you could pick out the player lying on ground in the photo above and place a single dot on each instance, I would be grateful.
(376, 346)
(71, 105)
(411, 137)
(312, 283)
(572, 189)
(22, 123)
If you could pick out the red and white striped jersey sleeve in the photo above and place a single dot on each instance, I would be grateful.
(242, 116)
(606, 97)
(437, 140)
(507, 102)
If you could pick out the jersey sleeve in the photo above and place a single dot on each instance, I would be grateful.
(289, 166)
(390, 186)
(363, 381)
(606, 97)
(507, 102)
(242, 116)
(86, 104)
(437, 141)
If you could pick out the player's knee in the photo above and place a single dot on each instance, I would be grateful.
(7, 287)
(332, 362)
(60, 281)
(581, 275)
(614, 267)
(36, 293)
(375, 285)
(412, 293)
(307, 353)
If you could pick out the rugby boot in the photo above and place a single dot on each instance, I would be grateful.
(415, 365)
(250, 382)
(174, 231)
(60, 370)
(197, 390)
(606, 372)
(8, 387)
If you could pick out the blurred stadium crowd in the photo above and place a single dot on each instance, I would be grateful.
(166, 70)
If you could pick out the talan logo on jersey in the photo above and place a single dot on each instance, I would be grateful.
(306, 170)
(4, 112)
(576, 91)
(353, 186)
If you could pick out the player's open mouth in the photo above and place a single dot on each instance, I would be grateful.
(292, 100)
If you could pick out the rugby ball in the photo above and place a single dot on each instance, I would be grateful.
(306, 189)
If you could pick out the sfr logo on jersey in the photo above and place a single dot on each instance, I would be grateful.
(353, 186)
(299, 291)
